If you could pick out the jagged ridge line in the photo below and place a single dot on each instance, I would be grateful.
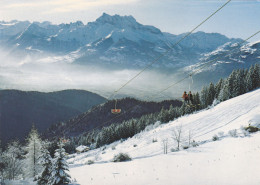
(158, 58)
(171, 47)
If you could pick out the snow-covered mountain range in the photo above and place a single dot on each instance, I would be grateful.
(109, 40)
(115, 43)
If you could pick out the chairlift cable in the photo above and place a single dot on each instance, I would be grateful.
(175, 44)
(158, 58)
(179, 81)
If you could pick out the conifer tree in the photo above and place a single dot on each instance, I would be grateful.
(204, 97)
(196, 101)
(256, 76)
(182, 109)
(252, 78)
(172, 113)
(33, 149)
(163, 116)
(211, 94)
(239, 83)
(230, 84)
(224, 92)
(60, 167)
(46, 161)
(218, 87)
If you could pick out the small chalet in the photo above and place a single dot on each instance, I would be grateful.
(82, 148)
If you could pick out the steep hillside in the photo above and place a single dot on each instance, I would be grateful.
(20, 109)
(101, 116)
(224, 154)
(222, 62)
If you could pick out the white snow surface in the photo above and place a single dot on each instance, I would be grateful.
(229, 160)
(81, 148)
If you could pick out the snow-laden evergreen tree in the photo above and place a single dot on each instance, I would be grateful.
(224, 92)
(2, 164)
(12, 161)
(182, 109)
(253, 78)
(141, 125)
(256, 80)
(164, 115)
(44, 177)
(204, 97)
(196, 101)
(218, 87)
(60, 167)
(228, 90)
(211, 94)
(239, 83)
(32, 158)
(230, 84)
(173, 113)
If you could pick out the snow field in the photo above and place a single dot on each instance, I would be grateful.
(229, 160)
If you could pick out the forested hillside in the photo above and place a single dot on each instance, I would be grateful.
(239, 82)
(101, 115)
(21, 109)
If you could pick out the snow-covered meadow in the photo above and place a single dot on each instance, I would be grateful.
(232, 159)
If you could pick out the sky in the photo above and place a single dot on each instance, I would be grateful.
(239, 19)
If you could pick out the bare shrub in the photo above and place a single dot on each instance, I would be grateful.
(215, 138)
(90, 162)
(121, 157)
(177, 136)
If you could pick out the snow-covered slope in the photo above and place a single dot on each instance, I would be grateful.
(223, 61)
(230, 160)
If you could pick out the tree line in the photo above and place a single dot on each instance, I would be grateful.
(237, 83)
(44, 161)
(34, 161)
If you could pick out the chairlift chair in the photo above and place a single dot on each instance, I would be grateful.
(115, 110)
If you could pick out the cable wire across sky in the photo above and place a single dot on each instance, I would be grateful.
(171, 47)
(148, 66)
(179, 81)
(158, 58)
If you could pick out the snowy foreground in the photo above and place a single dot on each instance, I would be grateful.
(233, 159)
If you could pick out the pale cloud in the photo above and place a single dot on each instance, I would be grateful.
(57, 6)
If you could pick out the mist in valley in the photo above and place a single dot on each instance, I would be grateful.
(54, 73)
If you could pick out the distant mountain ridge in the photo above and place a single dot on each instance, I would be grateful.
(110, 40)
(240, 57)
(121, 42)
(21, 109)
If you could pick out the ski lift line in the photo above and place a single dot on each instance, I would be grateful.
(206, 64)
(157, 59)
(171, 47)
(152, 97)
(188, 76)
(165, 53)
(170, 85)
(191, 74)
(191, 83)
(196, 135)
